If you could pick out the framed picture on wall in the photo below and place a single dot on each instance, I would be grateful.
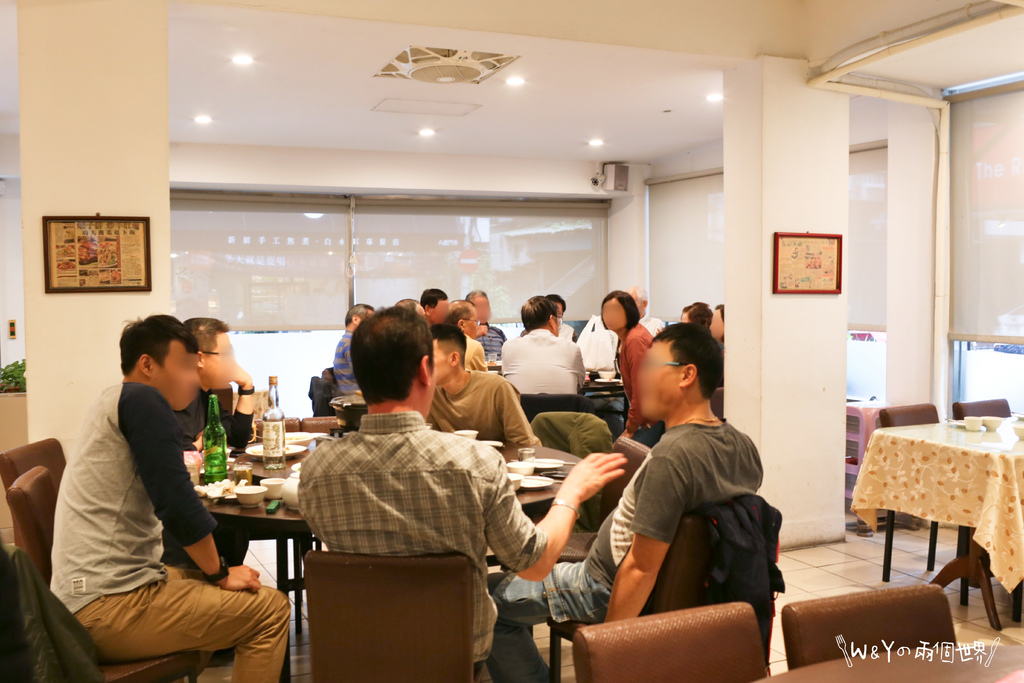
(96, 254)
(807, 263)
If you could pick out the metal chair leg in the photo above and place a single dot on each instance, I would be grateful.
(963, 547)
(890, 522)
(555, 659)
(933, 539)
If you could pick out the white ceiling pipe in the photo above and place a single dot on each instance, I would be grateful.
(1018, 3)
(889, 85)
(910, 31)
(884, 53)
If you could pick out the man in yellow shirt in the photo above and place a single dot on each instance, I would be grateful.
(462, 314)
(484, 401)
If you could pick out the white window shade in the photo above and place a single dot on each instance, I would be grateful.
(687, 244)
(987, 226)
(511, 252)
(865, 275)
(260, 265)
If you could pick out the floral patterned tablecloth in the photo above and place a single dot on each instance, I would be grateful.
(944, 473)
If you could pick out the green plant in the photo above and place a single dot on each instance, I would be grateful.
(12, 377)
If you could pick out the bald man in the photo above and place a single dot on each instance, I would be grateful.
(653, 325)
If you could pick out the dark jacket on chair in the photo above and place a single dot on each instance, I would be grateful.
(745, 538)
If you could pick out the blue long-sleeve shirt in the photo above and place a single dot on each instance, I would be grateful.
(344, 376)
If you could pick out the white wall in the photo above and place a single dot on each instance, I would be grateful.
(12, 288)
(627, 234)
(699, 159)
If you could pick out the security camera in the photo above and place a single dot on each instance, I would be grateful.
(597, 180)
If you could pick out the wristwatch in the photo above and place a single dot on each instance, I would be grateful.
(221, 573)
(246, 392)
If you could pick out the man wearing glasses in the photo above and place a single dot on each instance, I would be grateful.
(217, 369)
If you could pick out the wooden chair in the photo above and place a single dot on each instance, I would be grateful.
(674, 646)
(905, 615)
(388, 618)
(996, 407)
(906, 416)
(33, 503)
(17, 461)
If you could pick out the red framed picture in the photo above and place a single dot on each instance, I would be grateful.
(807, 263)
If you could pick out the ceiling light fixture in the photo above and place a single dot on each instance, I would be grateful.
(203, 118)
(715, 97)
(313, 215)
(516, 80)
(596, 143)
(426, 132)
(242, 60)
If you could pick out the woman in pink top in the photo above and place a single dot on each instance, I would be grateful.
(620, 314)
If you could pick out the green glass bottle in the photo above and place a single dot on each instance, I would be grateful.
(215, 444)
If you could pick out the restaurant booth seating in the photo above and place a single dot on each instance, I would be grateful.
(17, 461)
(714, 644)
(320, 425)
(33, 502)
(996, 407)
(386, 618)
(906, 616)
(907, 416)
(535, 404)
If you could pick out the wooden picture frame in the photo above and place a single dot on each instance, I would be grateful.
(807, 263)
(96, 254)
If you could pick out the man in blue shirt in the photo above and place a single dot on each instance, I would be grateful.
(492, 338)
(344, 377)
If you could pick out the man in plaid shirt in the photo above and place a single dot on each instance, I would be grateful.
(399, 488)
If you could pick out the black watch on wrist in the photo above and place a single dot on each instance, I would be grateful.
(246, 392)
(221, 573)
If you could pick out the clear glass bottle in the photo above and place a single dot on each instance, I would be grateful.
(273, 432)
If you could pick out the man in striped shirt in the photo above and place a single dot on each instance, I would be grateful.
(344, 377)
(492, 338)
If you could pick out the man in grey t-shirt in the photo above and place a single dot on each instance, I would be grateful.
(699, 460)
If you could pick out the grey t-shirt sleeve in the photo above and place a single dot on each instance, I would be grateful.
(662, 495)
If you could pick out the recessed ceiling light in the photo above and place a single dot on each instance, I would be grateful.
(313, 215)
(516, 80)
(202, 118)
(715, 97)
(242, 60)
(173, 255)
(596, 143)
(427, 132)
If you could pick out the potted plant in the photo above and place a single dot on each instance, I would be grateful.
(12, 378)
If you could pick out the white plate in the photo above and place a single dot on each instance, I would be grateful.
(607, 381)
(290, 451)
(956, 423)
(299, 438)
(297, 467)
(494, 444)
(547, 463)
(535, 482)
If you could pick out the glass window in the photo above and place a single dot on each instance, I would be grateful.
(865, 366)
(984, 371)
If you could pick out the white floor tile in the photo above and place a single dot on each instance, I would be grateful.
(817, 557)
(814, 579)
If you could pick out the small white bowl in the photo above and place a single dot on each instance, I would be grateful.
(467, 433)
(606, 374)
(1018, 429)
(517, 467)
(972, 423)
(273, 486)
(250, 496)
(516, 479)
(992, 423)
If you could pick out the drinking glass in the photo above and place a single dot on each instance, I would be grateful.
(527, 454)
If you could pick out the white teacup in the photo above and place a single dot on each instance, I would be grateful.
(467, 433)
(606, 374)
(250, 496)
(992, 423)
(1018, 429)
(516, 479)
(274, 487)
(973, 424)
(517, 467)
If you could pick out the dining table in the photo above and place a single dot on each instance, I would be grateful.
(988, 666)
(944, 473)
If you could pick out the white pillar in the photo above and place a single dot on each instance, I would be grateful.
(94, 138)
(627, 233)
(786, 168)
(910, 255)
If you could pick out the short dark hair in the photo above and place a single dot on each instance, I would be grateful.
(364, 311)
(205, 330)
(692, 344)
(560, 301)
(450, 337)
(537, 311)
(628, 304)
(387, 349)
(699, 313)
(721, 307)
(431, 297)
(152, 337)
(459, 310)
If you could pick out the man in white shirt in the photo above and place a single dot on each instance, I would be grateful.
(653, 325)
(564, 331)
(540, 362)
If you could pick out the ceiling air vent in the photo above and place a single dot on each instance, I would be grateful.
(438, 65)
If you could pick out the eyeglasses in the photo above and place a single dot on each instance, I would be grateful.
(649, 364)
(226, 354)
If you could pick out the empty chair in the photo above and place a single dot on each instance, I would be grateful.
(681, 583)
(535, 404)
(47, 453)
(675, 646)
(996, 407)
(578, 546)
(907, 416)
(815, 630)
(380, 618)
(33, 503)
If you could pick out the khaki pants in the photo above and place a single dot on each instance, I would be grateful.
(186, 613)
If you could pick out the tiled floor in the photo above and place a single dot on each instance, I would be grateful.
(810, 573)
